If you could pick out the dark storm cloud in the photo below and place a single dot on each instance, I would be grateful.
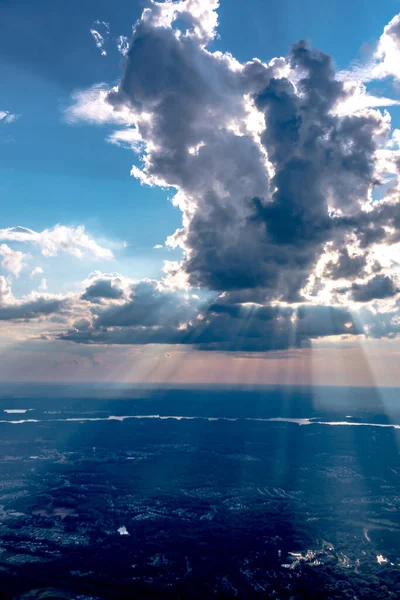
(125, 336)
(218, 326)
(31, 309)
(319, 158)
(242, 231)
(270, 172)
(187, 92)
(377, 288)
(193, 98)
(381, 225)
(347, 267)
(27, 308)
(147, 304)
(270, 328)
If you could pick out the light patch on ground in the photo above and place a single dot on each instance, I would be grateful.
(123, 530)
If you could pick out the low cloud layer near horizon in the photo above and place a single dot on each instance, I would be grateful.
(287, 177)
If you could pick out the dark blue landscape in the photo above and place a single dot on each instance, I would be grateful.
(274, 492)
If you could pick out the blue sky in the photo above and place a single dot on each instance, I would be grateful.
(54, 173)
(51, 172)
(55, 170)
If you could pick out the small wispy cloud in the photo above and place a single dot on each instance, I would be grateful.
(92, 106)
(123, 44)
(43, 284)
(358, 98)
(100, 32)
(126, 138)
(385, 60)
(6, 117)
(36, 271)
(72, 240)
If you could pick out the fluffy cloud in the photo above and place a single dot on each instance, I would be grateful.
(260, 328)
(347, 266)
(103, 289)
(267, 165)
(379, 287)
(72, 240)
(275, 169)
(149, 313)
(146, 311)
(36, 271)
(150, 304)
(30, 307)
(11, 260)
(122, 312)
(388, 51)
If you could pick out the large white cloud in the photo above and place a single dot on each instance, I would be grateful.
(268, 160)
(276, 169)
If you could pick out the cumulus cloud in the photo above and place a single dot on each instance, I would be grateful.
(150, 304)
(263, 328)
(11, 260)
(6, 296)
(71, 240)
(146, 302)
(107, 286)
(274, 166)
(102, 289)
(347, 266)
(153, 314)
(381, 321)
(266, 162)
(379, 287)
(30, 307)
(388, 51)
